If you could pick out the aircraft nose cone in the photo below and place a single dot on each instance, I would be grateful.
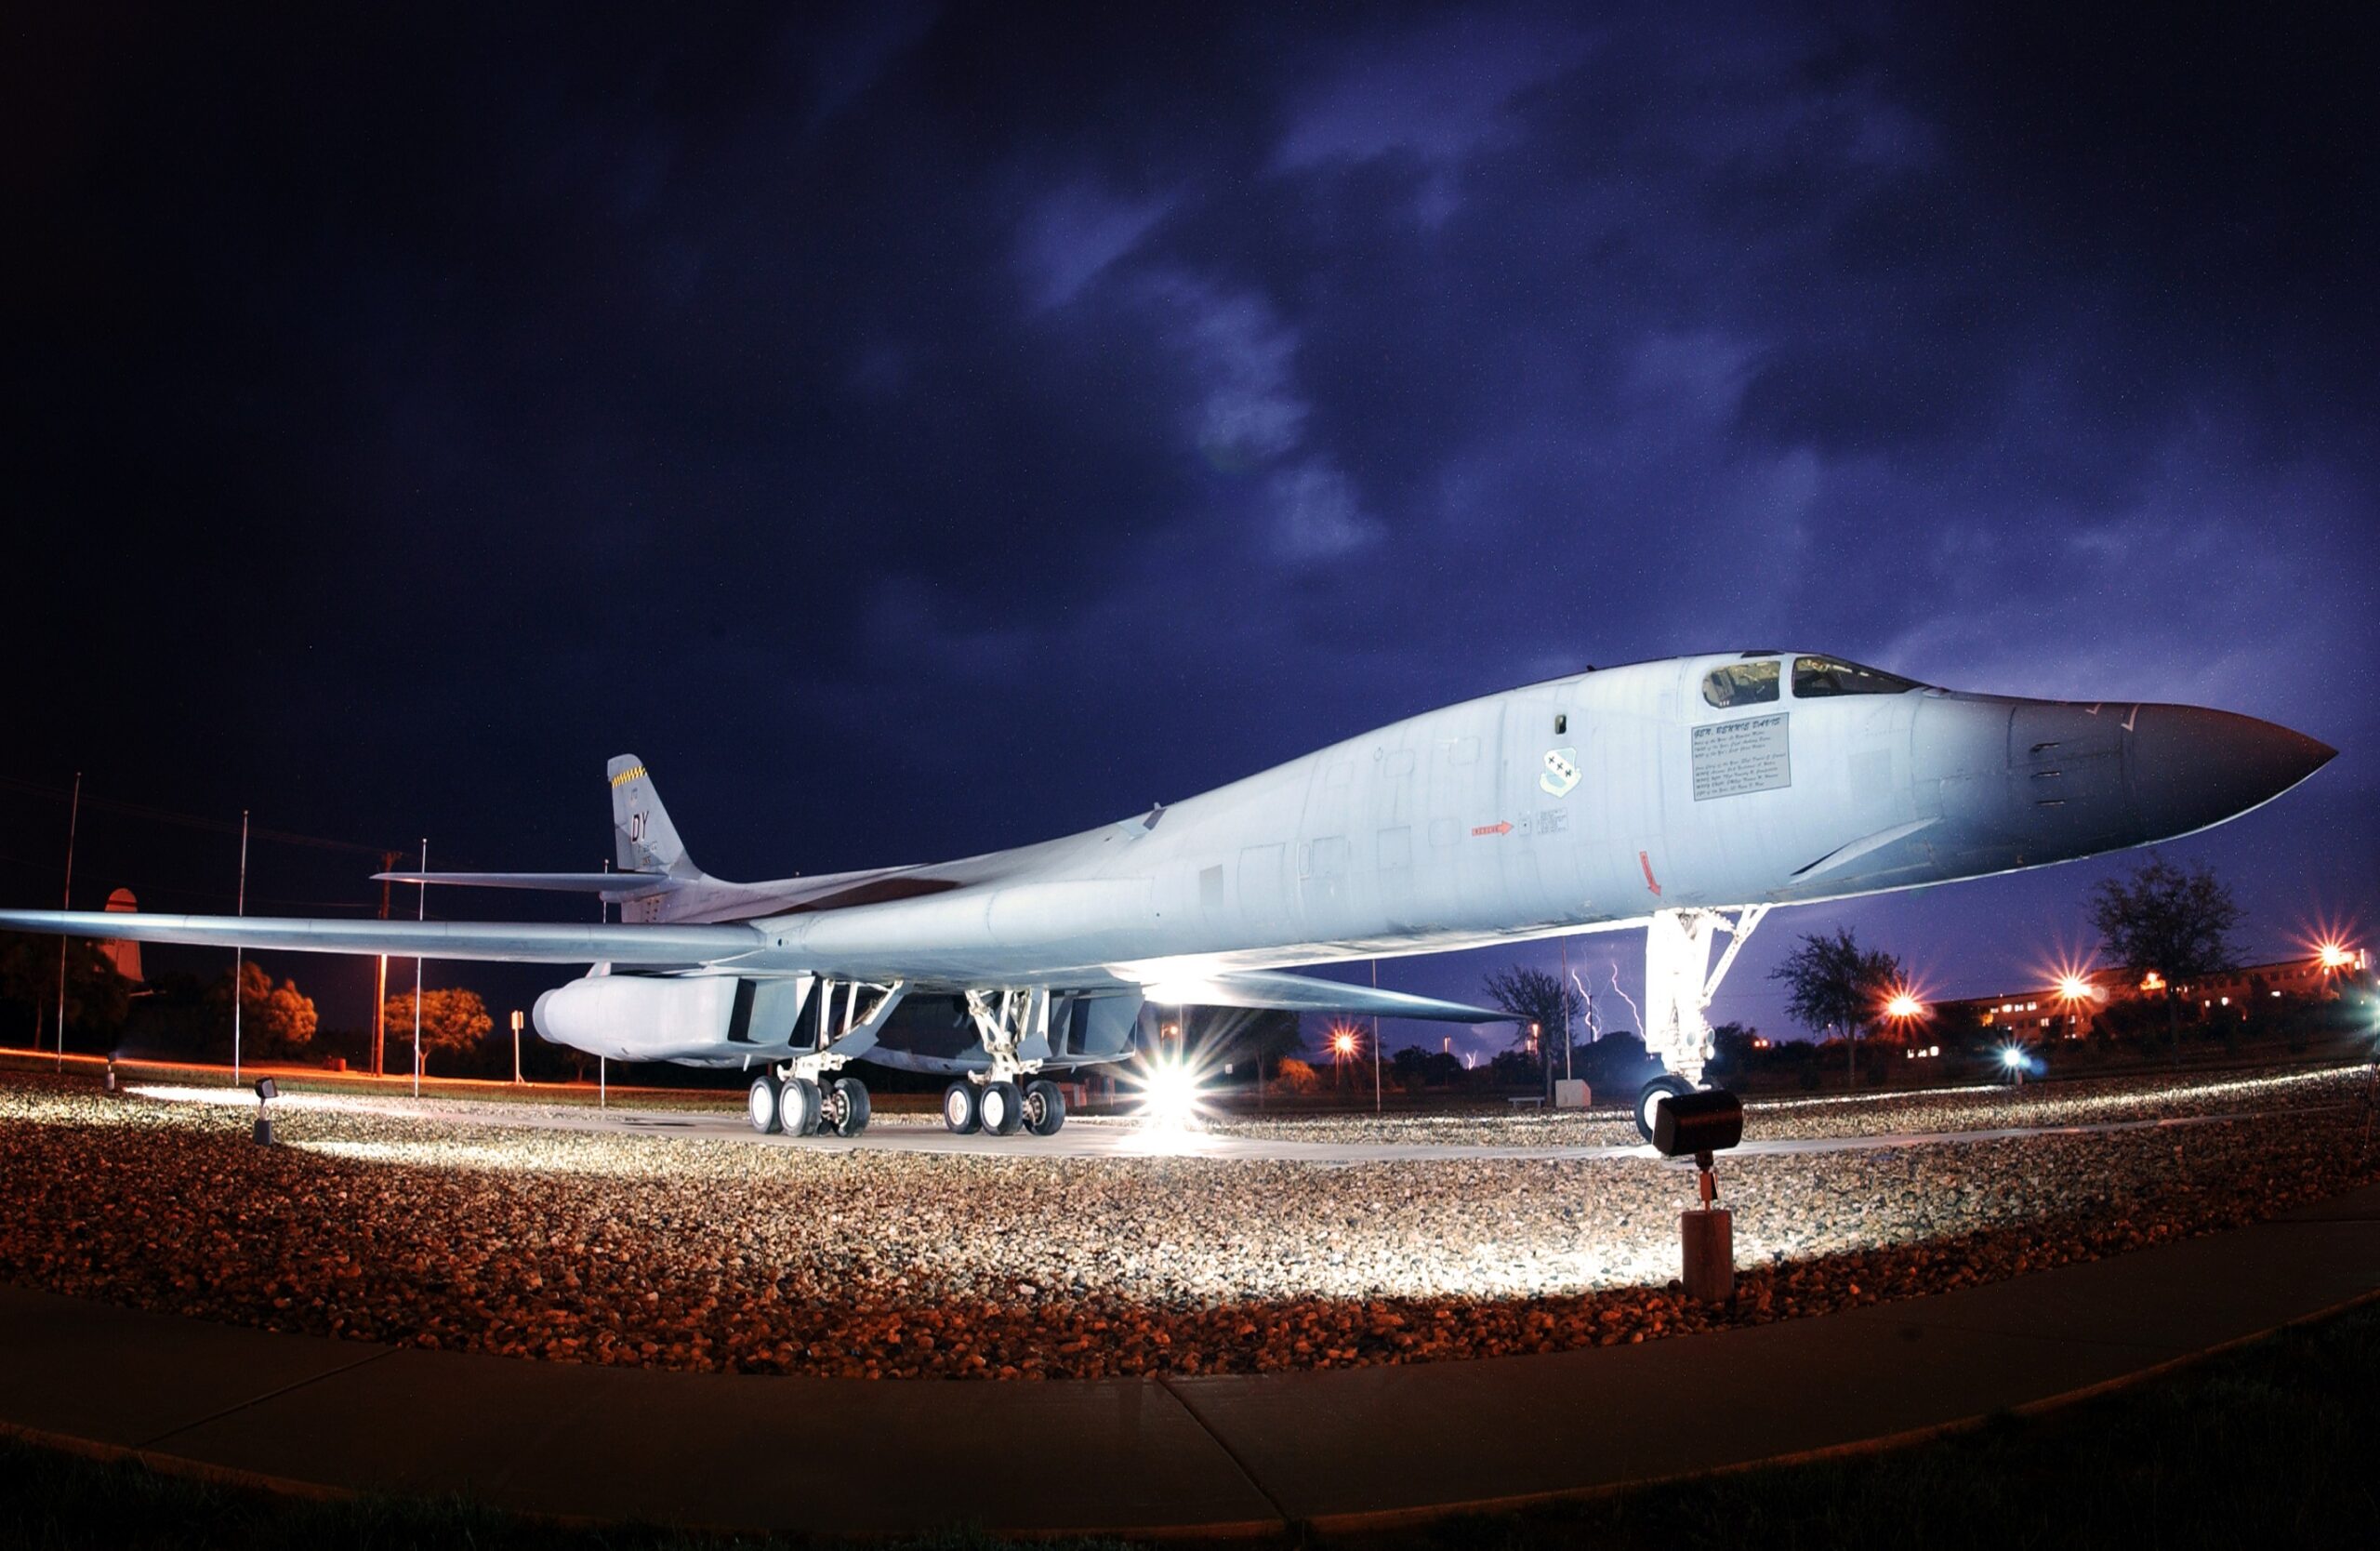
(2189, 767)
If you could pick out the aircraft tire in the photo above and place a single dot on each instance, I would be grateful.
(1004, 1108)
(798, 1104)
(760, 1106)
(1045, 1107)
(854, 1107)
(961, 1111)
(1667, 1085)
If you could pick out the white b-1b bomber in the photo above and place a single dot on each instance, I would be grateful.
(1687, 797)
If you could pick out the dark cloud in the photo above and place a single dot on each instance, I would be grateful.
(916, 430)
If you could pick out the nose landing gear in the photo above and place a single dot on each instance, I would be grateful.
(1648, 1098)
(1678, 993)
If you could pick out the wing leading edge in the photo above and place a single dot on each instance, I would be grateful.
(1282, 992)
(634, 944)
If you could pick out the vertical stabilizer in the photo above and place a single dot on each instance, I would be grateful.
(643, 838)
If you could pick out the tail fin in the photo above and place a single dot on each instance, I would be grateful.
(643, 838)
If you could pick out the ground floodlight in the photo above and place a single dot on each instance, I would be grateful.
(266, 1090)
(2012, 1058)
(1693, 1125)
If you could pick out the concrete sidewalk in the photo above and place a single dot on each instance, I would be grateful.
(1215, 1455)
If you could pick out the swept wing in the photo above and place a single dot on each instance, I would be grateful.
(638, 944)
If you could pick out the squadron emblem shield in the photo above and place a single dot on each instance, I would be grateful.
(1561, 772)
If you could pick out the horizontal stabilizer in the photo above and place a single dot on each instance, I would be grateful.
(629, 944)
(1299, 993)
(621, 885)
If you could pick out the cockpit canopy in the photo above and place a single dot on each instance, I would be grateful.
(1758, 680)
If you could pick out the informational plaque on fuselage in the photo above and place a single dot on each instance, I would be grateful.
(1732, 758)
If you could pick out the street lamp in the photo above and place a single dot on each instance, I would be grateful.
(1342, 1050)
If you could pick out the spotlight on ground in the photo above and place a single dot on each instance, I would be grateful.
(267, 1091)
(1171, 1095)
(1698, 1125)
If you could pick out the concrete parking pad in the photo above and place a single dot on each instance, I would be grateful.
(1216, 1455)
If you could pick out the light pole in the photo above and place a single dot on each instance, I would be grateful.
(421, 912)
(516, 1044)
(239, 954)
(73, 813)
(1901, 1009)
(380, 986)
(1376, 1042)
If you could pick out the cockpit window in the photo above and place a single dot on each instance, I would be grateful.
(1817, 677)
(1741, 684)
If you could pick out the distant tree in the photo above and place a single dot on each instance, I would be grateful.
(1535, 997)
(96, 996)
(1295, 1076)
(452, 1020)
(1834, 983)
(273, 1019)
(1235, 1035)
(1618, 1063)
(1731, 1047)
(1417, 1068)
(2177, 923)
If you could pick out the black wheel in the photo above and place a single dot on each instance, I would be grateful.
(1045, 1107)
(798, 1104)
(1667, 1085)
(851, 1106)
(1004, 1108)
(959, 1110)
(761, 1105)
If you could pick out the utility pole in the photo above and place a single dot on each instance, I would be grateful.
(420, 914)
(380, 986)
(73, 813)
(239, 954)
(1563, 944)
(1375, 1043)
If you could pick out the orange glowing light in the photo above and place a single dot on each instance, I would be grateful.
(2334, 956)
(1344, 1042)
(1903, 1005)
(2073, 987)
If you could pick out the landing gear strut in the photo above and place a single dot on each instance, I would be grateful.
(802, 1096)
(1013, 1027)
(1678, 992)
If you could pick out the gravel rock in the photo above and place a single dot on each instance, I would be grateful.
(685, 1252)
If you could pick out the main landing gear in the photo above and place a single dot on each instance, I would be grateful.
(1004, 1108)
(800, 1107)
(804, 1096)
(1013, 1027)
(1678, 992)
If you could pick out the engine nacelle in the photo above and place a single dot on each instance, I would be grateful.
(644, 1017)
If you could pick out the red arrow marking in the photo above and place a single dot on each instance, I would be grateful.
(1502, 827)
(1647, 863)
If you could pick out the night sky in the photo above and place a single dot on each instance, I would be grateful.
(918, 431)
